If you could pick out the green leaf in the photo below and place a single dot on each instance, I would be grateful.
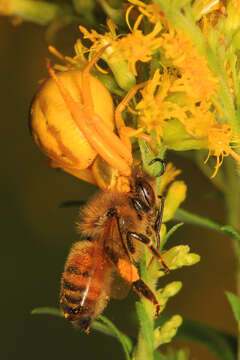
(101, 324)
(113, 330)
(168, 234)
(230, 231)
(235, 304)
(46, 310)
(194, 219)
(221, 344)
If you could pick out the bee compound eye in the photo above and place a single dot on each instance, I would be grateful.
(145, 192)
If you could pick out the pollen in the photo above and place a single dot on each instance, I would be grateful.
(127, 270)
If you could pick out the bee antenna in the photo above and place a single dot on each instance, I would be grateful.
(163, 162)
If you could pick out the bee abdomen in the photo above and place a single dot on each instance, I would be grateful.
(72, 270)
(73, 298)
(72, 286)
(83, 295)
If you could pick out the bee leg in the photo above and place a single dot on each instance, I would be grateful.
(146, 241)
(158, 222)
(157, 227)
(143, 290)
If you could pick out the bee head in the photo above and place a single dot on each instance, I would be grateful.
(83, 323)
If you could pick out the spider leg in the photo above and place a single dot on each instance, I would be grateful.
(106, 133)
(126, 132)
(118, 113)
(156, 228)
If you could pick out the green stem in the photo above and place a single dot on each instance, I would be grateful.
(232, 197)
(145, 344)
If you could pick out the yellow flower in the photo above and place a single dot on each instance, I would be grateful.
(195, 79)
(154, 109)
(150, 113)
(6, 7)
(175, 196)
(78, 62)
(137, 46)
(205, 7)
(236, 6)
(152, 11)
(219, 139)
(198, 119)
(100, 40)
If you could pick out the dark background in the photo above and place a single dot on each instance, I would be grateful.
(36, 234)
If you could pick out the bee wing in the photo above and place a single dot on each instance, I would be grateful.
(119, 288)
(117, 253)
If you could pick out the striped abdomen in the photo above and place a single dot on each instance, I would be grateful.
(85, 283)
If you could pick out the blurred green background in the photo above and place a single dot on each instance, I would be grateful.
(37, 234)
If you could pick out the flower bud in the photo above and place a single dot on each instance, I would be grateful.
(168, 330)
(175, 196)
(179, 256)
(168, 291)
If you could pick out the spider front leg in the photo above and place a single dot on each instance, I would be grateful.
(125, 132)
(99, 135)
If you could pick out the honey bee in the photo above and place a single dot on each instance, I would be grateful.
(115, 226)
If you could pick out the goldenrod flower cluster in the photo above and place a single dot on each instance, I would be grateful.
(182, 99)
